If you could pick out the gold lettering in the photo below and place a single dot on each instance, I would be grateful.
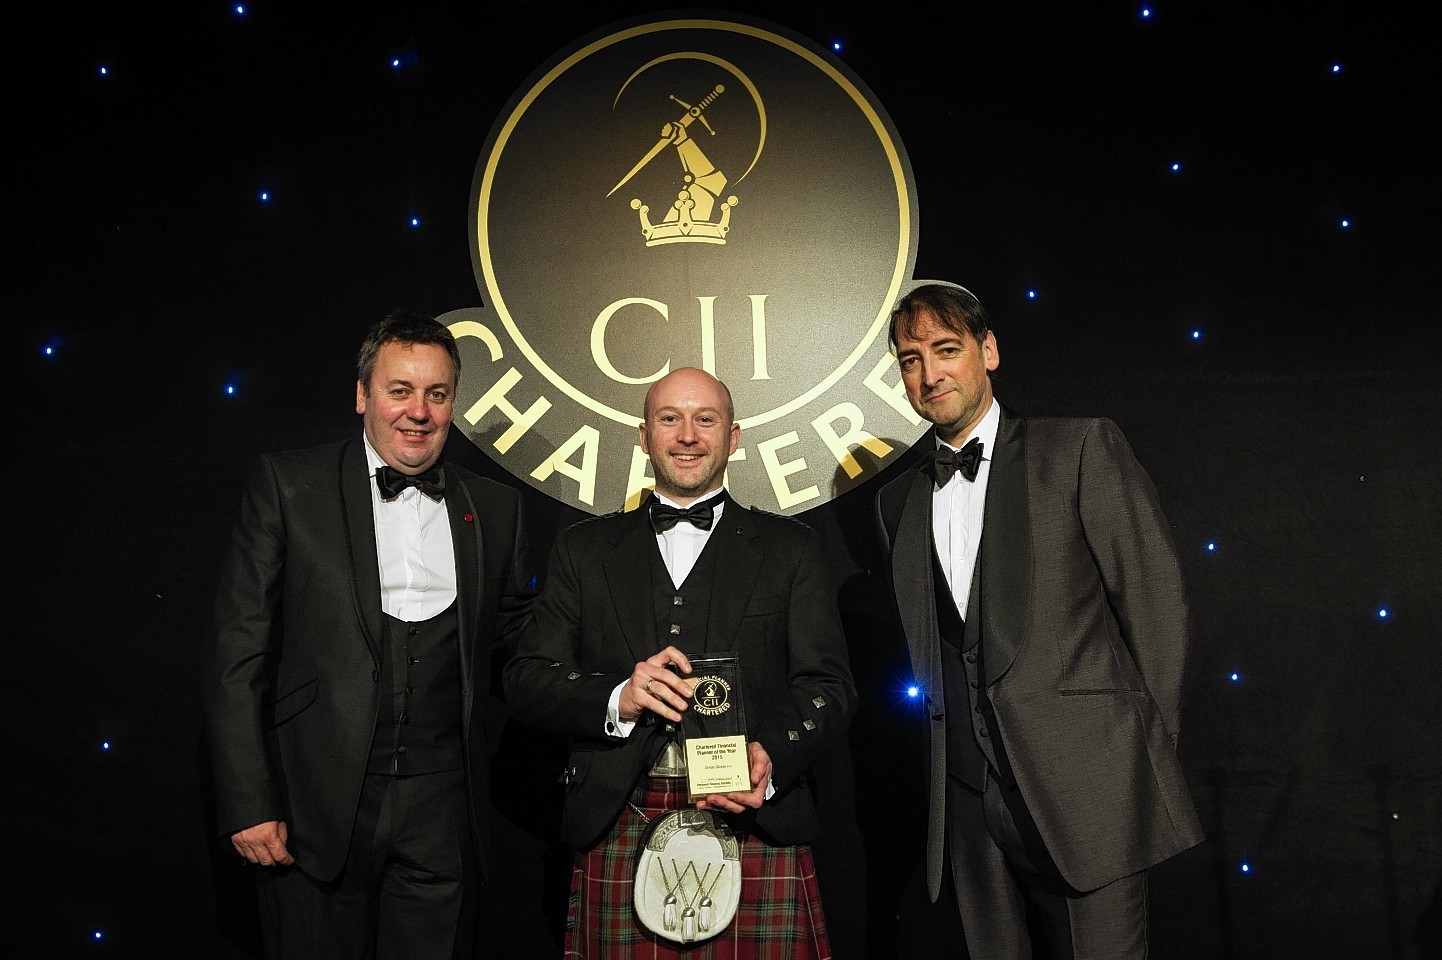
(777, 472)
(474, 328)
(640, 481)
(708, 334)
(758, 337)
(840, 445)
(587, 439)
(496, 397)
(893, 394)
(598, 340)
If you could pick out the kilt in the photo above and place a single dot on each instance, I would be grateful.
(779, 917)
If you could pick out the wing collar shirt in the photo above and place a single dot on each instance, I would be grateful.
(413, 549)
(957, 510)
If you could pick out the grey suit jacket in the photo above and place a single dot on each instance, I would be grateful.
(773, 602)
(1084, 622)
(290, 668)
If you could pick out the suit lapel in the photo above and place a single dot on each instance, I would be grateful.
(355, 488)
(911, 564)
(468, 544)
(1006, 557)
(629, 582)
(733, 577)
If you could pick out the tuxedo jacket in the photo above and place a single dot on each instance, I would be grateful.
(1083, 622)
(290, 670)
(773, 602)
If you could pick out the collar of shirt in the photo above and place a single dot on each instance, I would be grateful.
(414, 551)
(957, 510)
(683, 543)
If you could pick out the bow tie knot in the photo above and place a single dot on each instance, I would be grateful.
(391, 482)
(700, 515)
(946, 462)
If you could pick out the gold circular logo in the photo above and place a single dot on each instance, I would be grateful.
(712, 696)
(716, 193)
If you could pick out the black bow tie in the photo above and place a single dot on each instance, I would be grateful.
(391, 482)
(665, 516)
(946, 461)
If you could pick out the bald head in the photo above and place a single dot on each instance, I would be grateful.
(689, 378)
(689, 433)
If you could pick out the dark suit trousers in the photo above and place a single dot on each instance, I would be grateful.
(1015, 908)
(408, 889)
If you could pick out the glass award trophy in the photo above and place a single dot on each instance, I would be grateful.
(715, 728)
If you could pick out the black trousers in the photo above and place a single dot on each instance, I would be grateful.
(408, 890)
(1004, 899)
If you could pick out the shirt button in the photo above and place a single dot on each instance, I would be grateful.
(400, 749)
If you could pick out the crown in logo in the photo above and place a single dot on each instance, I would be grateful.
(680, 226)
(689, 218)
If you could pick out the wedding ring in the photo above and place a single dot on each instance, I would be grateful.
(648, 686)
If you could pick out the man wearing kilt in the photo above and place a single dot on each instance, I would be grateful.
(629, 600)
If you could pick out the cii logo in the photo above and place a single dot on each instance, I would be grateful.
(609, 250)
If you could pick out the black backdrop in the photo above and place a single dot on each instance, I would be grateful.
(1297, 434)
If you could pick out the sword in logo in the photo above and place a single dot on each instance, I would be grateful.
(693, 160)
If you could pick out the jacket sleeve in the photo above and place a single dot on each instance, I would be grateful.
(820, 699)
(545, 682)
(1136, 558)
(235, 683)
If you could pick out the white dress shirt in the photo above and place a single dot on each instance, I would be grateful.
(957, 510)
(413, 549)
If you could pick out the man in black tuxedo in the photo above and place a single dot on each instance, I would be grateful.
(367, 587)
(629, 600)
(1042, 605)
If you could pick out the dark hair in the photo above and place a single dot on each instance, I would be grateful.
(401, 326)
(954, 308)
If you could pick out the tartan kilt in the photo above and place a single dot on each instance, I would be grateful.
(779, 917)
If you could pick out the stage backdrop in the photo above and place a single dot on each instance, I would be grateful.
(1214, 223)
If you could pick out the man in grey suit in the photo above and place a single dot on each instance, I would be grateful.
(1042, 605)
(629, 600)
(367, 588)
